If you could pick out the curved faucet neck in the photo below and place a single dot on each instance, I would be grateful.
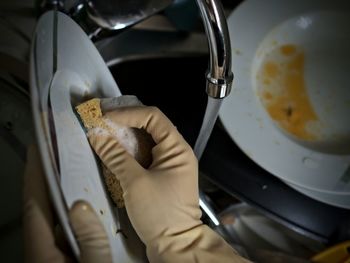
(219, 75)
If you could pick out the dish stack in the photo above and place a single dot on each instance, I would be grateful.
(290, 106)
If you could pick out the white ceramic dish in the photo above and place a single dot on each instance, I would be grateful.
(66, 68)
(318, 36)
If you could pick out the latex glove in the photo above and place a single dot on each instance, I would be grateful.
(41, 241)
(162, 201)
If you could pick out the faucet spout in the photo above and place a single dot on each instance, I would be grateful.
(219, 75)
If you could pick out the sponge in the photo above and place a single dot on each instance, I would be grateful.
(136, 142)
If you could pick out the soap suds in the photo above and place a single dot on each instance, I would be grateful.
(125, 136)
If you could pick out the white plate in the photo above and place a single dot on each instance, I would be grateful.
(319, 31)
(65, 69)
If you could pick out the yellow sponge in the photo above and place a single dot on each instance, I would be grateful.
(91, 116)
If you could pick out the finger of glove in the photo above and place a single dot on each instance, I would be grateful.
(91, 236)
(115, 157)
(38, 224)
(169, 141)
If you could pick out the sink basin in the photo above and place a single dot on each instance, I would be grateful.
(176, 85)
(166, 70)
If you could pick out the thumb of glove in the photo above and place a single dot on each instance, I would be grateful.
(90, 234)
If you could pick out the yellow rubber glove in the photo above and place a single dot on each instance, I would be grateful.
(161, 201)
(41, 242)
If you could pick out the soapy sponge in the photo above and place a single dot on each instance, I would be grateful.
(136, 142)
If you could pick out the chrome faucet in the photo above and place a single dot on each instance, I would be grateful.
(219, 75)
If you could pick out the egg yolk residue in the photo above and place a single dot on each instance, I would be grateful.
(283, 91)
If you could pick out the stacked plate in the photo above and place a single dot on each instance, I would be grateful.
(290, 104)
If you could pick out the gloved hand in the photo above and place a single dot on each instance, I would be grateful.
(41, 242)
(161, 201)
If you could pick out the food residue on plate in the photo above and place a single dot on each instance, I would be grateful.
(283, 92)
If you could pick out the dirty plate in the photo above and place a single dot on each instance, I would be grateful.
(66, 69)
(289, 107)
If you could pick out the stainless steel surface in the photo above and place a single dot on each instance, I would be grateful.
(204, 204)
(246, 226)
(145, 44)
(115, 15)
(219, 76)
(105, 18)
